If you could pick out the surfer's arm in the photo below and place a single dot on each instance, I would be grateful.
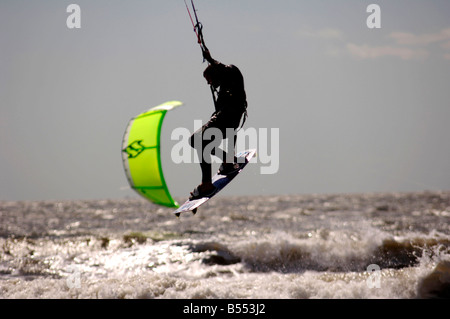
(207, 57)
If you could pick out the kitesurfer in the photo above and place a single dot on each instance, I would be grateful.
(230, 101)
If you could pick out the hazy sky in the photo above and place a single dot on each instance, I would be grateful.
(357, 109)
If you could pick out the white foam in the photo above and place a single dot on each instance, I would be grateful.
(338, 249)
(329, 261)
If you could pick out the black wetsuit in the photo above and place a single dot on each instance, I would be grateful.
(230, 106)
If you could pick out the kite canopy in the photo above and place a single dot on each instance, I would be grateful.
(141, 155)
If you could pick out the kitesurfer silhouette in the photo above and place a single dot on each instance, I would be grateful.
(230, 101)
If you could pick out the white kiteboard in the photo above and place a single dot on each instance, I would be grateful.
(219, 181)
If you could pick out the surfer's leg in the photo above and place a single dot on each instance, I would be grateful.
(225, 132)
(230, 155)
(206, 167)
(199, 144)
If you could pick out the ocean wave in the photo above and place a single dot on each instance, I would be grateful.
(299, 246)
(338, 251)
(437, 283)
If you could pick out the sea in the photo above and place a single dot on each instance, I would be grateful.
(315, 246)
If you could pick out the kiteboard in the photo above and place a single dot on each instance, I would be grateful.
(219, 181)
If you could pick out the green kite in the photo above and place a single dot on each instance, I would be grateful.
(141, 155)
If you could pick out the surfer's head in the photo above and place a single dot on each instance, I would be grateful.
(213, 74)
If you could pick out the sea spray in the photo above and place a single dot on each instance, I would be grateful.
(393, 245)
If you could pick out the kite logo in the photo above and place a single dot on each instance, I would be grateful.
(135, 149)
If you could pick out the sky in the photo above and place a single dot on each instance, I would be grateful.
(339, 107)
